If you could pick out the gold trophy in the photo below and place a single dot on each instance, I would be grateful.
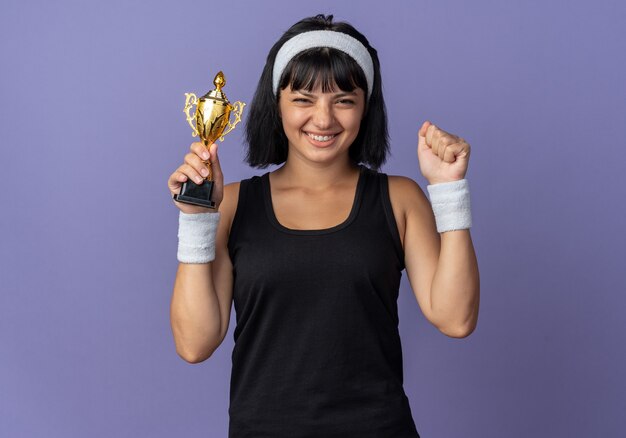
(212, 121)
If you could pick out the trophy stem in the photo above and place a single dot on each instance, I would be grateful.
(209, 177)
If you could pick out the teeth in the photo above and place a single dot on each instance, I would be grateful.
(320, 137)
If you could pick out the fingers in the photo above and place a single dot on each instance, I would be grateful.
(180, 175)
(198, 164)
(440, 142)
(192, 173)
(195, 159)
(177, 178)
(175, 181)
(451, 152)
(200, 150)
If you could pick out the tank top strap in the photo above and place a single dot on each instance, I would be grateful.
(249, 207)
(376, 202)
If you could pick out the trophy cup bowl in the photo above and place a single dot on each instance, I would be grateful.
(210, 121)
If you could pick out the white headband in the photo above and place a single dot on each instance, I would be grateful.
(324, 38)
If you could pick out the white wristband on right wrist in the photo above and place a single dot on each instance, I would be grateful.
(451, 205)
(196, 237)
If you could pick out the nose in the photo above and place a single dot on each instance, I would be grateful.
(323, 117)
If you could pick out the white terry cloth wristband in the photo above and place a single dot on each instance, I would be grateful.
(451, 205)
(196, 237)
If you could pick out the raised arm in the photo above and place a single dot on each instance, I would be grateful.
(439, 254)
(442, 268)
(202, 297)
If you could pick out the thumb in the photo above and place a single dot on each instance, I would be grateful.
(421, 136)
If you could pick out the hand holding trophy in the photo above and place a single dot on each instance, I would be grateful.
(210, 121)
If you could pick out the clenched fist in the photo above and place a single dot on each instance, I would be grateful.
(443, 157)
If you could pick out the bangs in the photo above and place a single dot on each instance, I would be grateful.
(319, 68)
(326, 67)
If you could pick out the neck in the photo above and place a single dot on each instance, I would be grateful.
(315, 175)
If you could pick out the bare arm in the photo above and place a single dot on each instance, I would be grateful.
(455, 291)
(442, 268)
(202, 297)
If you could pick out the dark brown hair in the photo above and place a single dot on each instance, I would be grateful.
(266, 139)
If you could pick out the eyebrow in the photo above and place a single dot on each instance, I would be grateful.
(347, 93)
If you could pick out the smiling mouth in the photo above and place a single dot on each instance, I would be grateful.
(321, 137)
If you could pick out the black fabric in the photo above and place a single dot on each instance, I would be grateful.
(317, 349)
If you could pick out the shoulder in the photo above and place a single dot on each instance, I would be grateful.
(232, 192)
(410, 205)
(406, 193)
(228, 207)
(403, 184)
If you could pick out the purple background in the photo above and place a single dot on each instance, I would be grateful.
(92, 125)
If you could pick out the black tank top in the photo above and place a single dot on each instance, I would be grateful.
(317, 349)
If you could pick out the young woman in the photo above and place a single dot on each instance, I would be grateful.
(312, 253)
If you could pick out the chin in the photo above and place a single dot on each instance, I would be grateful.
(326, 156)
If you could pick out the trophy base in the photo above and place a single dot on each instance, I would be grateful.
(192, 193)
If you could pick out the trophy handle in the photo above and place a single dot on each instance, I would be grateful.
(191, 100)
(237, 109)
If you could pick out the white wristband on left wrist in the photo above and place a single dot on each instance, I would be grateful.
(451, 205)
